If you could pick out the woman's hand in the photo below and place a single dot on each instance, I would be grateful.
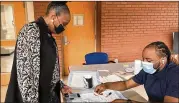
(100, 88)
(66, 90)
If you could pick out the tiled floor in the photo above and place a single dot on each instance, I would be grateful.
(3, 93)
(6, 63)
(6, 66)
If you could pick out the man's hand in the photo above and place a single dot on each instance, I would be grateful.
(100, 88)
(66, 90)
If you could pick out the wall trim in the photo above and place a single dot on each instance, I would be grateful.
(98, 26)
(29, 11)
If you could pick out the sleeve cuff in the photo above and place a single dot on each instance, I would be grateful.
(173, 94)
(61, 84)
(135, 80)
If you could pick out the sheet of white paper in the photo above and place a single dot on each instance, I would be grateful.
(90, 97)
(77, 81)
(110, 78)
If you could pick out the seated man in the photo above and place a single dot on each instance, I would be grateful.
(160, 76)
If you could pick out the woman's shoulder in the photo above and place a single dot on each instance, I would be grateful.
(30, 26)
(29, 29)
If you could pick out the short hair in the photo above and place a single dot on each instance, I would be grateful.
(58, 6)
(162, 50)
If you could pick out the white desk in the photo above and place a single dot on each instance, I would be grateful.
(137, 93)
(140, 89)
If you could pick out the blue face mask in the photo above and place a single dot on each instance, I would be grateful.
(148, 67)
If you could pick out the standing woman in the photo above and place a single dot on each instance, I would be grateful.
(35, 73)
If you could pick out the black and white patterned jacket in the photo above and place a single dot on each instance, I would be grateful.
(29, 69)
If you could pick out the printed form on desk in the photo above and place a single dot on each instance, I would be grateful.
(110, 78)
(91, 97)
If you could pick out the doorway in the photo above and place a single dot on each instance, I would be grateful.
(79, 37)
(12, 20)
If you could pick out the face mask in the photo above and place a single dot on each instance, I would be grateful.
(148, 67)
(59, 29)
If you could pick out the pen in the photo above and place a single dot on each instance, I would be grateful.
(109, 94)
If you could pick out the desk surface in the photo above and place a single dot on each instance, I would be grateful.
(137, 93)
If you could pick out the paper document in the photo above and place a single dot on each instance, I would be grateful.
(77, 81)
(110, 78)
(90, 97)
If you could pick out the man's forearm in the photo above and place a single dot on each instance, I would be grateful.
(119, 86)
(125, 101)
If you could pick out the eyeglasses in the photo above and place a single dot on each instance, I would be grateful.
(63, 23)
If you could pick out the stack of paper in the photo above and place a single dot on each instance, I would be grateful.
(90, 97)
(110, 78)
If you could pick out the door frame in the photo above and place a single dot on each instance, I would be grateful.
(97, 34)
(28, 5)
(98, 26)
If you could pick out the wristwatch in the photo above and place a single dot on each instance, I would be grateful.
(129, 101)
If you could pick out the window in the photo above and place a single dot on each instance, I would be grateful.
(78, 19)
(7, 23)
